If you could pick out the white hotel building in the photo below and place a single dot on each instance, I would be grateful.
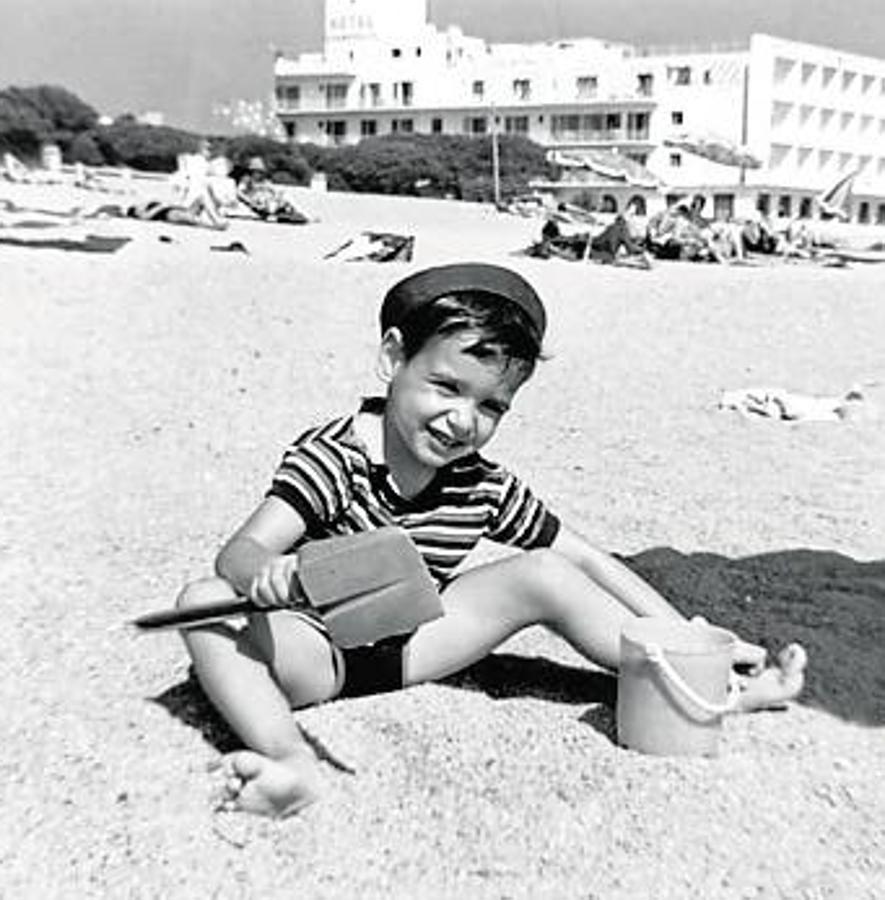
(811, 114)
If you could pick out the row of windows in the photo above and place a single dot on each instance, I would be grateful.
(817, 77)
(600, 126)
(336, 129)
(804, 208)
(824, 119)
(586, 88)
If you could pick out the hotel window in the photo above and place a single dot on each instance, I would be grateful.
(565, 126)
(708, 76)
(522, 88)
(406, 93)
(679, 74)
(863, 213)
(586, 86)
(676, 117)
(375, 93)
(763, 204)
(880, 214)
(785, 206)
(723, 207)
(436, 125)
(368, 127)
(675, 160)
(479, 89)
(612, 125)
(637, 126)
(336, 96)
(290, 128)
(805, 208)
(475, 125)
(396, 53)
(336, 129)
(402, 126)
(644, 84)
(516, 124)
(289, 96)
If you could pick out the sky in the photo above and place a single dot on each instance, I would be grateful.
(180, 57)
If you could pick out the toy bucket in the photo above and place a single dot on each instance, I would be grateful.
(673, 686)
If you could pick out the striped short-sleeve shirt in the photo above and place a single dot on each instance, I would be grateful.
(327, 476)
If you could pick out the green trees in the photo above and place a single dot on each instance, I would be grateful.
(432, 165)
(456, 166)
(32, 116)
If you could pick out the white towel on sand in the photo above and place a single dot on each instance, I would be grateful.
(779, 403)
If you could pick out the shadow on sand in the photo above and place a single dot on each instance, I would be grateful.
(832, 604)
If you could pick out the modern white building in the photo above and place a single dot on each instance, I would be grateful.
(810, 114)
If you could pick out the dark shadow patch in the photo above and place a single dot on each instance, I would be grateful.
(187, 703)
(831, 604)
(506, 675)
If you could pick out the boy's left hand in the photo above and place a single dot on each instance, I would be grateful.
(274, 583)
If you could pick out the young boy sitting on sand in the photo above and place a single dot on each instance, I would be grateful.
(457, 343)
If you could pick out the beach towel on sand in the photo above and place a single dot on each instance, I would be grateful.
(778, 403)
(91, 243)
(376, 246)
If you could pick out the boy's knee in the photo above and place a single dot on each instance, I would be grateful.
(202, 591)
(544, 573)
(546, 567)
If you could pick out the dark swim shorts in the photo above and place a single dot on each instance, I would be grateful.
(377, 669)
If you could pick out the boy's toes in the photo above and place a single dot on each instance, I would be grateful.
(777, 685)
(792, 660)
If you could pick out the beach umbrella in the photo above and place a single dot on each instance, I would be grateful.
(716, 149)
(836, 200)
(617, 167)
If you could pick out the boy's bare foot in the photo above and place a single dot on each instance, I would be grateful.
(776, 684)
(269, 787)
(750, 657)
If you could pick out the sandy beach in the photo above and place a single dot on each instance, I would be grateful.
(148, 394)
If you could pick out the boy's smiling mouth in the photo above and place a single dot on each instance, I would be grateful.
(444, 440)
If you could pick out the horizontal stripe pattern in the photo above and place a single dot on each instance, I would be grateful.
(327, 476)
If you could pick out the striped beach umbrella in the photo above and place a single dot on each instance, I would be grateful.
(716, 149)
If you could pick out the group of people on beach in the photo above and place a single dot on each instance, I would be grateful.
(680, 232)
(197, 196)
(456, 344)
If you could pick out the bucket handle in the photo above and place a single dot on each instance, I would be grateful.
(656, 656)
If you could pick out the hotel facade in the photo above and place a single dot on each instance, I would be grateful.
(811, 115)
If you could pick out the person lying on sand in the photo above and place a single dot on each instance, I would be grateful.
(457, 344)
(200, 212)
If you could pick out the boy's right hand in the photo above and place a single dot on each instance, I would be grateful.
(273, 585)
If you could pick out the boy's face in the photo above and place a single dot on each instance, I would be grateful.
(444, 403)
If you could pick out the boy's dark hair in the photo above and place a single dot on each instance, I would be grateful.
(497, 303)
(502, 328)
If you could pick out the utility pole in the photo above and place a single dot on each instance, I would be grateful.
(496, 162)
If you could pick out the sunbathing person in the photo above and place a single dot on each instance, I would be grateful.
(200, 212)
(262, 197)
(680, 232)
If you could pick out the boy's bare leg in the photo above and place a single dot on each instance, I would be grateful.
(278, 775)
(488, 604)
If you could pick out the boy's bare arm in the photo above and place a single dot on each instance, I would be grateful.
(254, 559)
(631, 590)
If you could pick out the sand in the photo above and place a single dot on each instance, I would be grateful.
(147, 396)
